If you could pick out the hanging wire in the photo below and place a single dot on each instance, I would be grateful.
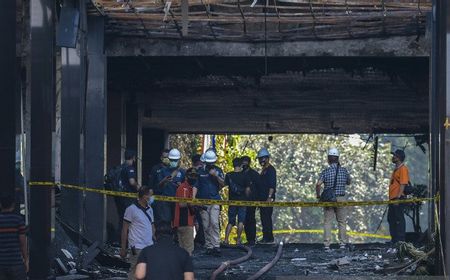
(265, 37)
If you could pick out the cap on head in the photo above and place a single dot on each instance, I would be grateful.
(400, 154)
(263, 152)
(174, 154)
(210, 156)
(192, 173)
(333, 152)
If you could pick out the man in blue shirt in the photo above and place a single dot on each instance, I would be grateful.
(211, 180)
(169, 178)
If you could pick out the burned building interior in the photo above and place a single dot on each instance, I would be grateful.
(94, 77)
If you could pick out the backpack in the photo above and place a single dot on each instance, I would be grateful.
(113, 179)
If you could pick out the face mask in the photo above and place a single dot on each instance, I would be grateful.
(173, 164)
(150, 201)
(262, 161)
(165, 161)
(245, 167)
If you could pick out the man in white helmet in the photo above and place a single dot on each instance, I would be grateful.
(266, 192)
(169, 178)
(335, 177)
(210, 181)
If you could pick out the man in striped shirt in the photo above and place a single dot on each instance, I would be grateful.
(13, 242)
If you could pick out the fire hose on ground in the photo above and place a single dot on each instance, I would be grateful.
(268, 266)
(227, 264)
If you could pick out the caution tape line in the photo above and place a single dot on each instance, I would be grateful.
(320, 231)
(239, 203)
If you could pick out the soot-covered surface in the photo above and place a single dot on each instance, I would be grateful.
(306, 260)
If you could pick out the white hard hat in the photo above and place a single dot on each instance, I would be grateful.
(333, 152)
(202, 157)
(263, 153)
(174, 154)
(210, 156)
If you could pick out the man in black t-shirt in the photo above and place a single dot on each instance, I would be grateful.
(266, 192)
(253, 180)
(238, 189)
(164, 260)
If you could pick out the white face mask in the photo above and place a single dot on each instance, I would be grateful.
(174, 164)
(151, 200)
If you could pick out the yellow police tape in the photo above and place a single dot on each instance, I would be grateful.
(251, 203)
(320, 231)
(239, 203)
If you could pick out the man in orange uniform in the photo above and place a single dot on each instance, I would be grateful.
(399, 179)
(184, 215)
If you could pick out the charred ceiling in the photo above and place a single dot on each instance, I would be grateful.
(296, 95)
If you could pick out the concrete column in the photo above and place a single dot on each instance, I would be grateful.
(95, 133)
(73, 94)
(115, 142)
(42, 87)
(439, 128)
(8, 89)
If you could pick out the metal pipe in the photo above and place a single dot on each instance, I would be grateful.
(268, 266)
(227, 264)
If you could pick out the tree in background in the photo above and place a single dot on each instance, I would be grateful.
(299, 160)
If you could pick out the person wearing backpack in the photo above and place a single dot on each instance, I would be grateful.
(169, 179)
(123, 178)
(238, 189)
(334, 178)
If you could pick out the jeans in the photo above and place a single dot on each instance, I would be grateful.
(238, 211)
(396, 220)
(341, 217)
(16, 272)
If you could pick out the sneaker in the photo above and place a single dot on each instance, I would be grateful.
(266, 241)
(327, 249)
(342, 246)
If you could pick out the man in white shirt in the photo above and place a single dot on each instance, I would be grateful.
(137, 228)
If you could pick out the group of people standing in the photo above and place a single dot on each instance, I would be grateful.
(204, 180)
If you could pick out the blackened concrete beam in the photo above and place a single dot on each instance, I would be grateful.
(408, 46)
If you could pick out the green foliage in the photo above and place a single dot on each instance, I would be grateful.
(299, 159)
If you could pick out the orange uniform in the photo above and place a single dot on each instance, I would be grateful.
(183, 217)
(399, 177)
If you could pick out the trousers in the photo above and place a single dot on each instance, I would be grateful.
(341, 217)
(210, 220)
